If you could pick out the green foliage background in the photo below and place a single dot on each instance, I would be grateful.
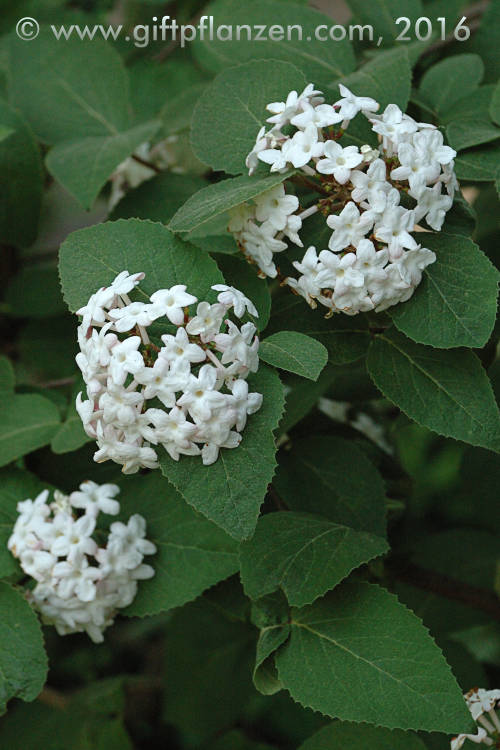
(342, 589)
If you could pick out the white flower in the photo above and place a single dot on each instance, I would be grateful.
(125, 282)
(260, 244)
(394, 228)
(244, 402)
(161, 382)
(171, 301)
(252, 161)
(136, 313)
(350, 226)
(93, 498)
(174, 432)
(413, 167)
(433, 205)
(239, 345)
(282, 112)
(207, 321)
(369, 154)
(201, 396)
(276, 157)
(308, 285)
(95, 309)
(370, 262)
(77, 539)
(119, 405)
(350, 104)
(339, 161)
(480, 701)
(352, 299)
(275, 206)
(390, 289)
(303, 146)
(126, 359)
(231, 297)
(371, 186)
(320, 116)
(339, 272)
(292, 228)
(393, 125)
(179, 349)
(429, 144)
(239, 216)
(477, 739)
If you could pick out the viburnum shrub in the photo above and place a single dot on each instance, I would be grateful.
(249, 373)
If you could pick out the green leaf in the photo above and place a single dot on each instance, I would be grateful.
(23, 662)
(438, 86)
(382, 14)
(343, 734)
(71, 435)
(83, 166)
(386, 78)
(152, 83)
(312, 477)
(90, 718)
(321, 61)
(69, 89)
(215, 200)
(304, 555)
(193, 553)
(466, 106)
(294, 352)
(471, 132)
(460, 219)
(478, 165)
(486, 42)
(34, 292)
(270, 614)
(495, 105)
(207, 645)
(159, 198)
(7, 376)
(177, 112)
(447, 391)
(15, 486)
(230, 491)
(360, 655)
(237, 740)
(27, 422)
(90, 258)
(345, 338)
(456, 303)
(5, 131)
(303, 396)
(232, 110)
(240, 274)
(22, 180)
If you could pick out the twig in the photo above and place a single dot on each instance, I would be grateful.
(58, 383)
(473, 15)
(146, 163)
(53, 698)
(437, 583)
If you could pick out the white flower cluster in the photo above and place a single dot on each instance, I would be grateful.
(481, 702)
(259, 227)
(190, 395)
(79, 584)
(372, 260)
